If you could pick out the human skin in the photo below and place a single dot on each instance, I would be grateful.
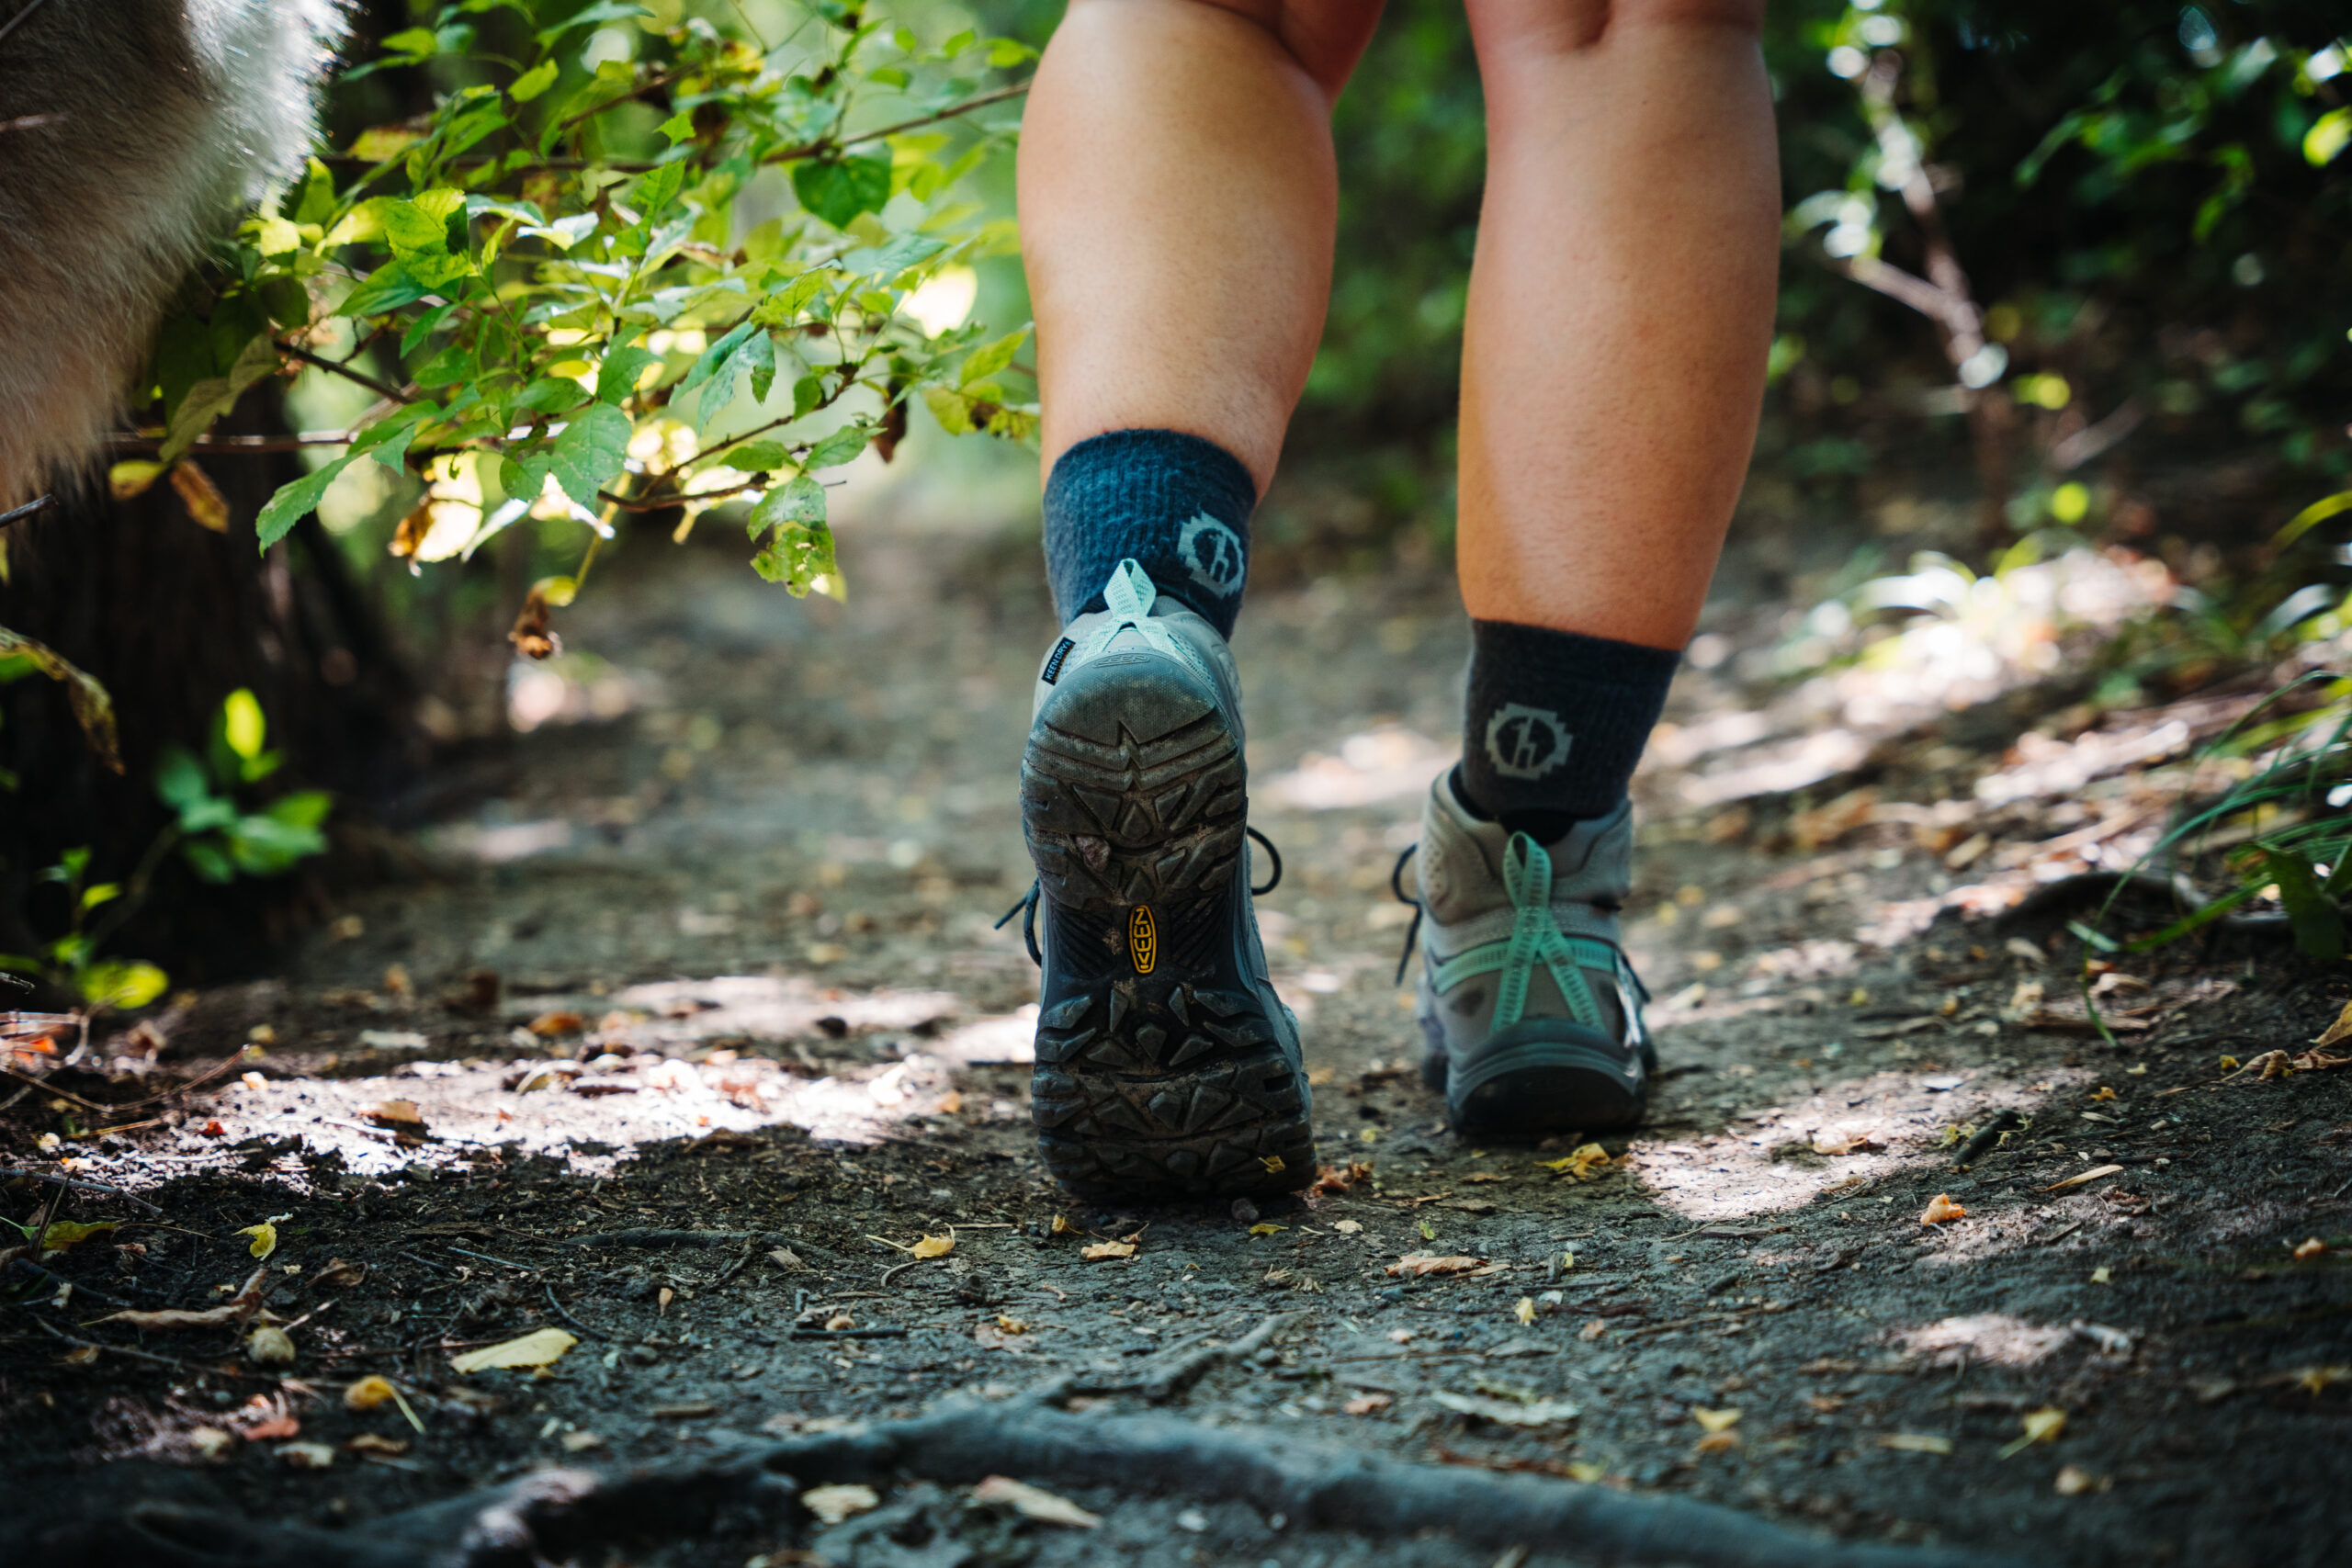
(1178, 194)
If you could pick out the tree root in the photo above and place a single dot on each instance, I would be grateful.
(563, 1514)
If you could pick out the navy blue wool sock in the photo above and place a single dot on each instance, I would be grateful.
(1178, 504)
(1554, 723)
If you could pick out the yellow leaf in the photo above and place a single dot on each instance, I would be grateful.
(2229, 1063)
(934, 1247)
(2093, 1174)
(1033, 1503)
(2042, 1426)
(834, 1504)
(2102, 1274)
(62, 1233)
(2316, 1380)
(1714, 1420)
(2340, 1030)
(1718, 1442)
(2314, 1247)
(1010, 1325)
(132, 477)
(1267, 1229)
(1567, 1261)
(1063, 1227)
(265, 1240)
(541, 1348)
(1939, 1209)
(2104, 1093)
(1108, 1249)
(1579, 1470)
(369, 1392)
(1582, 1164)
(202, 498)
(1525, 1310)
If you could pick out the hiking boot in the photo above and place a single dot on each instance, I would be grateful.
(1166, 1066)
(1531, 1014)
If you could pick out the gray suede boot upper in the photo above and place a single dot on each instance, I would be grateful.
(1531, 1015)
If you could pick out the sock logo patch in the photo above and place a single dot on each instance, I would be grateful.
(1524, 742)
(1213, 554)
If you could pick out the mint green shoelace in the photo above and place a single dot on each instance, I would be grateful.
(1535, 937)
(1129, 597)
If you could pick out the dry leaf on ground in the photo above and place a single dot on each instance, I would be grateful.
(269, 1346)
(400, 1111)
(2043, 1426)
(369, 1392)
(834, 1504)
(541, 1348)
(1525, 1310)
(338, 1272)
(1718, 1442)
(265, 1238)
(991, 1337)
(1369, 1403)
(307, 1456)
(1420, 1265)
(376, 1443)
(1594, 1330)
(1939, 1209)
(1915, 1442)
(2074, 1480)
(2340, 1030)
(1851, 1144)
(2314, 1247)
(1267, 1229)
(62, 1233)
(1582, 1164)
(1714, 1420)
(1033, 1503)
(1348, 1227)
(236, 1308)
(1333, 1178)
(2093, 1174)
(1108, 1249)
(934, 1247)
(547, 1025)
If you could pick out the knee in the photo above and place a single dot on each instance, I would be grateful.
(1551, 26)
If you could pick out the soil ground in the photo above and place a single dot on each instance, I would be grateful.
(723, 961)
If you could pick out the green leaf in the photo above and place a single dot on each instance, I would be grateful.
(987, 360)
(755, 354)
(386, 440)
(386, 289)
(2312, 916)
(838, 189)
(209, 861)
(654, 190)
(797, 556)
(617, 376)
(303, 808)
(242, 724)
(420, 226)
(534, 82)
(758, 456)
(62, 1233)
(783, 308)
(2328, 135)
(713, 357)
(590, 452)
(215, 395)
(839, 448)
(179, 779)
(797, 504)
(679, 126)
(603, 11)
(118, 983)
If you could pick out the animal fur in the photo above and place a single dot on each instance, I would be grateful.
(132, 132)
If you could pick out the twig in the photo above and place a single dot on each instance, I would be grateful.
(78, 1184)
(591, 1333)
(503, 1263)
(38, 504)
(230, 445)
(192, 1367)
(336, 366)
(649, 1236)
(13, 23)
(79, 1288)
(848, 1333)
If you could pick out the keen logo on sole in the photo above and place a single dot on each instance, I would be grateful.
(1143, 938)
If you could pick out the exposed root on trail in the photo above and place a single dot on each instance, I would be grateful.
(563, 1514)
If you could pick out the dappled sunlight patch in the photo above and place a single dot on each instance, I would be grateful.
(1998, 1338)
(670, 1013)
(1386, 762)
(1845, 1138)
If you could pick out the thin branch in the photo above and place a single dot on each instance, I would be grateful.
(17, 514)
(13, 1171)
(233, 445)
(383, 389)
(13, 23)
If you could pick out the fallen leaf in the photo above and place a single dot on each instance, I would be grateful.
(265, 1240)
(1369, 1403)
(834, 1504)
(1108, 1249)
(1033, 1503)
(1267, 1229)
(2340, 1030)
(2318, 1380)
(2042, 1426)
(268, 1346)
(2311, 1248)
(1063, 1227)
(542, 1347)
(1718, 1442)
(307, 1456)
(369, 1392)
(1420, 1265)
(840, 1321)
(376, 1443)
(338, 1272)
(951, 1102)
(280, 1423)
(80, 1356)
(1011, 1324)
(1403, 1335)
(1582, 1164)
(62, 1233)
(1567, 1262)
(2093, 1174)
(1508, 1412)
(1714, 1420)
(786, 1259)
(661, 1301)
(1854, 1144)
(1939, 1209)
(1336, 1179)
(1429, 1231)
(1915, 1442)
(2074, 1480)
(1594, 1330)
(2104, 1093)
(211, 1444)
(236, 1308)
(2102, 1274)
(994, 1337)
(1825, 1403)
(932, 1246)
(547, 1025)
(1348, 1227)
(580, 1442)
(1525, 1310)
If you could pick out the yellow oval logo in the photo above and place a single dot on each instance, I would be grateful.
(1143, 938)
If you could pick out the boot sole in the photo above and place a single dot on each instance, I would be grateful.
(1159, 1073)
(1539, 1085)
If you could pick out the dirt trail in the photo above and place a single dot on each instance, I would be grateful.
(724, 963)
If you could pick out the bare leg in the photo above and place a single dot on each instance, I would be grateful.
(1177, 198)
(1621, 306)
